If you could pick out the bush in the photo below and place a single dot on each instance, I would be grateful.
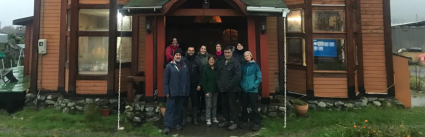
(417, 83)
(92, 113)
(365, 129)
(299, 102)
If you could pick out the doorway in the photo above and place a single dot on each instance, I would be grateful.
(190, 32)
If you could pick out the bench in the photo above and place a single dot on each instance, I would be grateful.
(130, 80)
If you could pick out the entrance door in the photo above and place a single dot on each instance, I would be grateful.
(189, 33)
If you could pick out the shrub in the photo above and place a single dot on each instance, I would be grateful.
(417, 83)
(365, 129)
(92, 113)
(299, 102)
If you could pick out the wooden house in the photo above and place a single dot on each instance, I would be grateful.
(335, 48)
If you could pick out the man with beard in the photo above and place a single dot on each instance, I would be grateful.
(195, 69)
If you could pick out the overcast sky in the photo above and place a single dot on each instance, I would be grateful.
(401, 10)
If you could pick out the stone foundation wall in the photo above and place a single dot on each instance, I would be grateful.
(139, 112)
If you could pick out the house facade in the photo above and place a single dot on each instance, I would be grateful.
(335, 48)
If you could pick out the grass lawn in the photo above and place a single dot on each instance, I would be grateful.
(319, 123)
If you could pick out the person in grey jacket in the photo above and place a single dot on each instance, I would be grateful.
(177, 88)
(229, 76)
(203, 55)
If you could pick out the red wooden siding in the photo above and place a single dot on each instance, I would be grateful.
(125, 72)
(296, 81)
(272, 57)
(293, 2)
(66, 79)
(330, 87)
(92, 86)
(142, 43)
(50, 30)
(328, 1)
(373, 46)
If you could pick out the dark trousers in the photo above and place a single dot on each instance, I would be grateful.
(202, 104)
(194, 98)
(173, 111)
(249, 100)
(229, 106)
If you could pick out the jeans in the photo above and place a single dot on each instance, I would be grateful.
(250, 100)
(173, 111)
(229, 106)
(211, 106)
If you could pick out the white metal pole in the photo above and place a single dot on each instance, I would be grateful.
(11, 64)
(2, 62)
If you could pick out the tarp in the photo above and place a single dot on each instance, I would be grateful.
(2, 55)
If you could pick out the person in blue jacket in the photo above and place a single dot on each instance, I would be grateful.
(251, 79)
(176, 88)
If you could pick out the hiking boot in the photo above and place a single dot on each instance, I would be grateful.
(178, 127)
(243, 125)
(224, 124)
(208, 122)
(195, 117)
(256, 127)
(232, 127)
(166, 131)
(183, 118)
(215, 121)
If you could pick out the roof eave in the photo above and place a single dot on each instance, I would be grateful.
(272, 10)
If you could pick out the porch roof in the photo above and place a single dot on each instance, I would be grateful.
(145, 3)
(265, 3)
(253, 7)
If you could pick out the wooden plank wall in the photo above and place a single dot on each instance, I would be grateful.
(66, 79)
(92, 86)
(293, 2)
(101, 1)
(50, 30)
(142, 43)
(330, 87)
(125, 72)
(28, 49)
(272, 53)
(373, 46)
(296, 81)
(328, 1)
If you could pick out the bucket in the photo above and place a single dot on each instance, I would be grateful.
(105, 112)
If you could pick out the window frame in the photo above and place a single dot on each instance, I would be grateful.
(301, 35)
(331, 35)
(101, 34)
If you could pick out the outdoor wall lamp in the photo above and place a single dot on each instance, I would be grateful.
(263, 26)
(148, 26)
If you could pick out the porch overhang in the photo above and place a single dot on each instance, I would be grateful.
(145, 7)
(266, 8)
(267, 11)
(249, 7)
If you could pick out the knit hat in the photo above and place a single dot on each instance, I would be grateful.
(247, 52)
(178, 50)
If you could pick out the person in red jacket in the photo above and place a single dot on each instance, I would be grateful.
(169, 51)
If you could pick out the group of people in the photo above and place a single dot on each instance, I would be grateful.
(205, 78)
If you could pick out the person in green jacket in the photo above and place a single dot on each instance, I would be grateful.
(210, 88)
(251, 79)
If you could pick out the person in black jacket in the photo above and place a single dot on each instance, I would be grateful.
(239, 54)
(176, 87)
(195, 69)
(229, 76)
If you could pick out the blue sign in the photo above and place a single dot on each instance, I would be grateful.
(325, 48)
